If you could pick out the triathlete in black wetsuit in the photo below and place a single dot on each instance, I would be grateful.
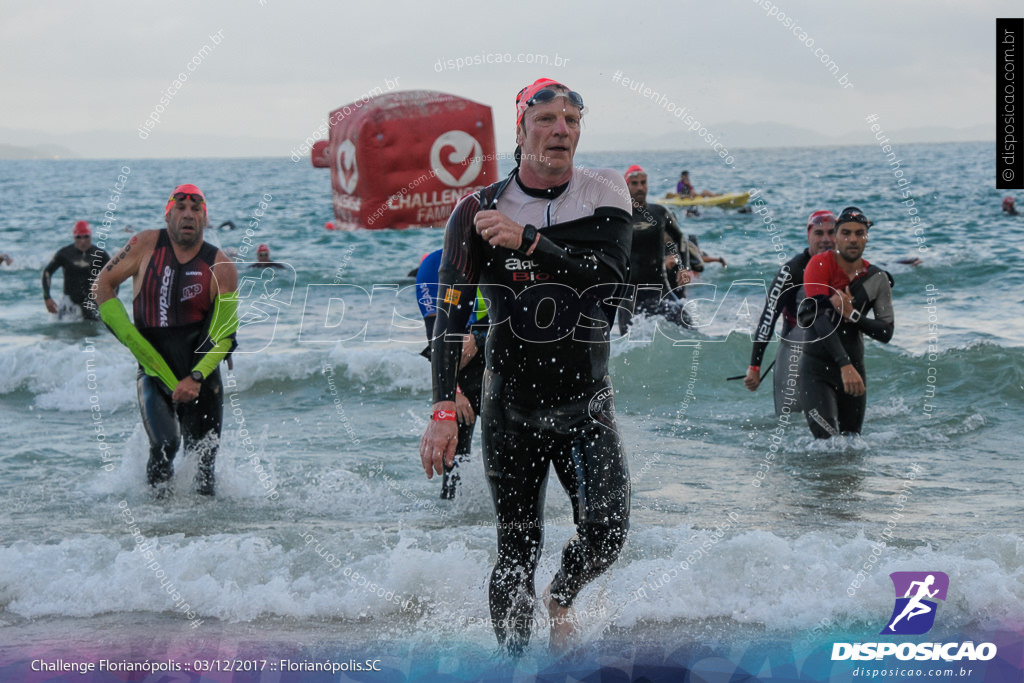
(784, 295)
(263, 259)
(841, 288)
(655, 248)
(82, 262)
(185, 307)
(546, 254)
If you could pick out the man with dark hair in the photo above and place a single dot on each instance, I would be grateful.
(185, 305)
(841, 287)
(548, 246)
(81, 263)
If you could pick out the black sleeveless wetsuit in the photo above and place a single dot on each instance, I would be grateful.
(172, 310)
(547, 396)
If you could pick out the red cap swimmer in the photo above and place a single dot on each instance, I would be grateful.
(634, 170)
(183, 192)
(819, 217)
(539, 92)
(81, 229)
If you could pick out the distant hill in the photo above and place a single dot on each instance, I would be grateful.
(126, 144)
(734, 135)
(36, 152)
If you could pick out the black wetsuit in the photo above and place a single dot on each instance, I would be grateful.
(784, 295)
(547, 397)
(833, 342)
(654, 294)
(172, 310)
(80, 270)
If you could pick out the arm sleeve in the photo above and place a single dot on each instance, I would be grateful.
(882, 326)
(48, 272)
(223, 326)
(456, 290)
(766, 323)
(583, 266)
(116, 318)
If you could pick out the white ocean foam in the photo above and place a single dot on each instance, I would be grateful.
(750, 577)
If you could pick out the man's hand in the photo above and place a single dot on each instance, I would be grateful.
(853, 383)
(498, 230)
(469, 350)
(753, 379)
(51, 305)
(437, 447)
(187, 390)
(843, 303)
(463, 410)
(684, 277)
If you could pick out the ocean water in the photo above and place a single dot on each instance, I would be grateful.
(326, 542)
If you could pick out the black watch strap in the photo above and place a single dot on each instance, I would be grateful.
(197, 376)
(529, 236)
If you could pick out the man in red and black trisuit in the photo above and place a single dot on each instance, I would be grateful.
(81, 263)
(185, 307)
(841, 289)
(784, 295)
(547, 246)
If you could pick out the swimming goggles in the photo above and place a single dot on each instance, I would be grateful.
(547, 95)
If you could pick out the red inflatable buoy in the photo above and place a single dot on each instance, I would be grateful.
(404, 159)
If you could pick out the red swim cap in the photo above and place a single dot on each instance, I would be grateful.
(1008, 201)
(634, 170)
(263, 249)
(185, 189)
(81, 228)
(819, 217)
(528, 92)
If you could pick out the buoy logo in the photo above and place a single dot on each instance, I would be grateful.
(456, 158)
(348, 172)
(917, 594)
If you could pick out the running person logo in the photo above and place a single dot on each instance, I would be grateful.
(917, 595)
(348, 172)
(456, 158)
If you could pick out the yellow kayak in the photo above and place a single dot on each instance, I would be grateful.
(732, 200)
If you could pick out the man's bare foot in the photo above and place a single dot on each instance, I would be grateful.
(565, 631)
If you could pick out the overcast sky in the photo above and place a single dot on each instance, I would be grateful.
(281, 66)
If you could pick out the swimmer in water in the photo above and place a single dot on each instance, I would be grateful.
(784, 293)
(185, 305)
(81, 262)
(549, 244)
(842, 288)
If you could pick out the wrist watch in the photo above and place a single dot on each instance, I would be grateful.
(854, 316)
(529, 235)
(197, 376)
